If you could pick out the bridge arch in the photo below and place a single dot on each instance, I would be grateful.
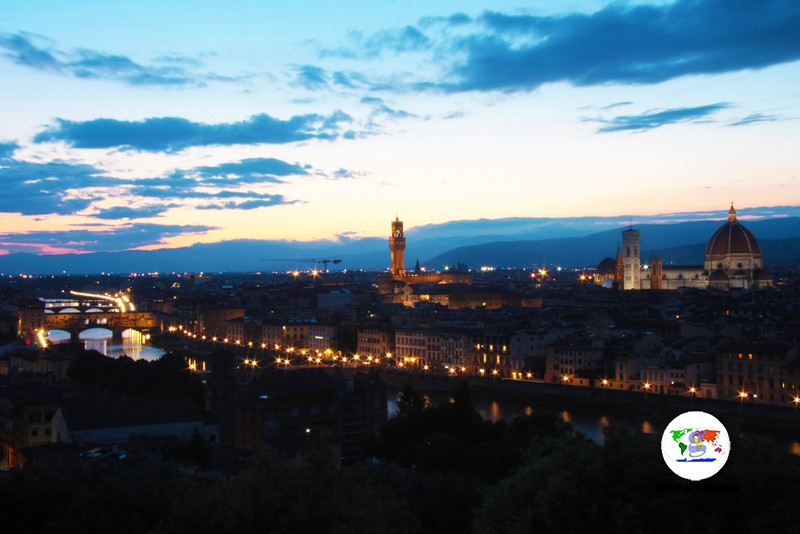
(58, 336)
(69, 310)
(95, 332)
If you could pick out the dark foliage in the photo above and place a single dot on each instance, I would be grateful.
(87, 496)
(166, 377)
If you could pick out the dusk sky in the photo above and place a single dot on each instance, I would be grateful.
(150, 124)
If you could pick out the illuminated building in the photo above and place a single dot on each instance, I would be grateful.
(761, 372)
(398, 280)
(732, 261)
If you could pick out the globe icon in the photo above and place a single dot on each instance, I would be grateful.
(697, 446)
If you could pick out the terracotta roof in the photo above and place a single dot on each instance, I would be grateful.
(718, 275)
(607, 266)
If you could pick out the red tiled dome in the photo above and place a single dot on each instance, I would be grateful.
(732, 238)
(607, 267)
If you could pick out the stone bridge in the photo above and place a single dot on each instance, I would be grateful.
(32, 321)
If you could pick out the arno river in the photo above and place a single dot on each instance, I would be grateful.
(588, 422)
(591, 425)
(132, 343)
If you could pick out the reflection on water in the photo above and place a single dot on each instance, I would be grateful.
(133, 343)
(496, 412)
(591, 425)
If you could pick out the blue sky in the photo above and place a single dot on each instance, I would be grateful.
(186, 122)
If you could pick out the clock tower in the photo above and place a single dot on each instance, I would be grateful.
(397, 245)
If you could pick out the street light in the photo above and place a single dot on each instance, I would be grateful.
(646, 387)
(692, 393)
(742, 396)
(796, 401)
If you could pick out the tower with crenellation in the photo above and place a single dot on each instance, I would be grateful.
(397, 245)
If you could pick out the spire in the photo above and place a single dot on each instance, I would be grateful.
(732, 214)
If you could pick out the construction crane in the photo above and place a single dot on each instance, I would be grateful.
(315, 261)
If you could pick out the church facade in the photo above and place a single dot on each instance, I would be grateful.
(733, 260)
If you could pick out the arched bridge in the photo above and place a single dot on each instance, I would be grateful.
(83, 311)
(75, 323)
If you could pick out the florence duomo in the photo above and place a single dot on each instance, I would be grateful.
(733, 260)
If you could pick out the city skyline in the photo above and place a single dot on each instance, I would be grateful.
(153, 126)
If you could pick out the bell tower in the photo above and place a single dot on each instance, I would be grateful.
(397, 245)
(630, 260)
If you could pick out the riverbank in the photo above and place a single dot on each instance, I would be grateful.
(657, 409)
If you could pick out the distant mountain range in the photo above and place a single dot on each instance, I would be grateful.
(521, 242)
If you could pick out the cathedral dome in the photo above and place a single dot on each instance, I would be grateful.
(732, 238)
(607, 267)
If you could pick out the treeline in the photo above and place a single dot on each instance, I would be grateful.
(442, 469)
(166, 377)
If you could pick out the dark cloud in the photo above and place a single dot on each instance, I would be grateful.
(351, 80)
(175, 133)
(45, 188)
(621, 44)
(7, 149)
(311, 77)
(123, 237)
(174, 70)
(171, 193)
(616, 105)
(67, 188)
(456, 19)
(264, 202)
(385, 110)
(247, 171)
(630, 45)
(407, 39)
(758, 117)
(655, 119)
(127, 212)
(343, 173)
(394, 40)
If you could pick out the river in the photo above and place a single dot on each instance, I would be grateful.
(134, 344)
(589, 423)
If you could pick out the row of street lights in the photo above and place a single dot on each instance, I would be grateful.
(408, 362)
